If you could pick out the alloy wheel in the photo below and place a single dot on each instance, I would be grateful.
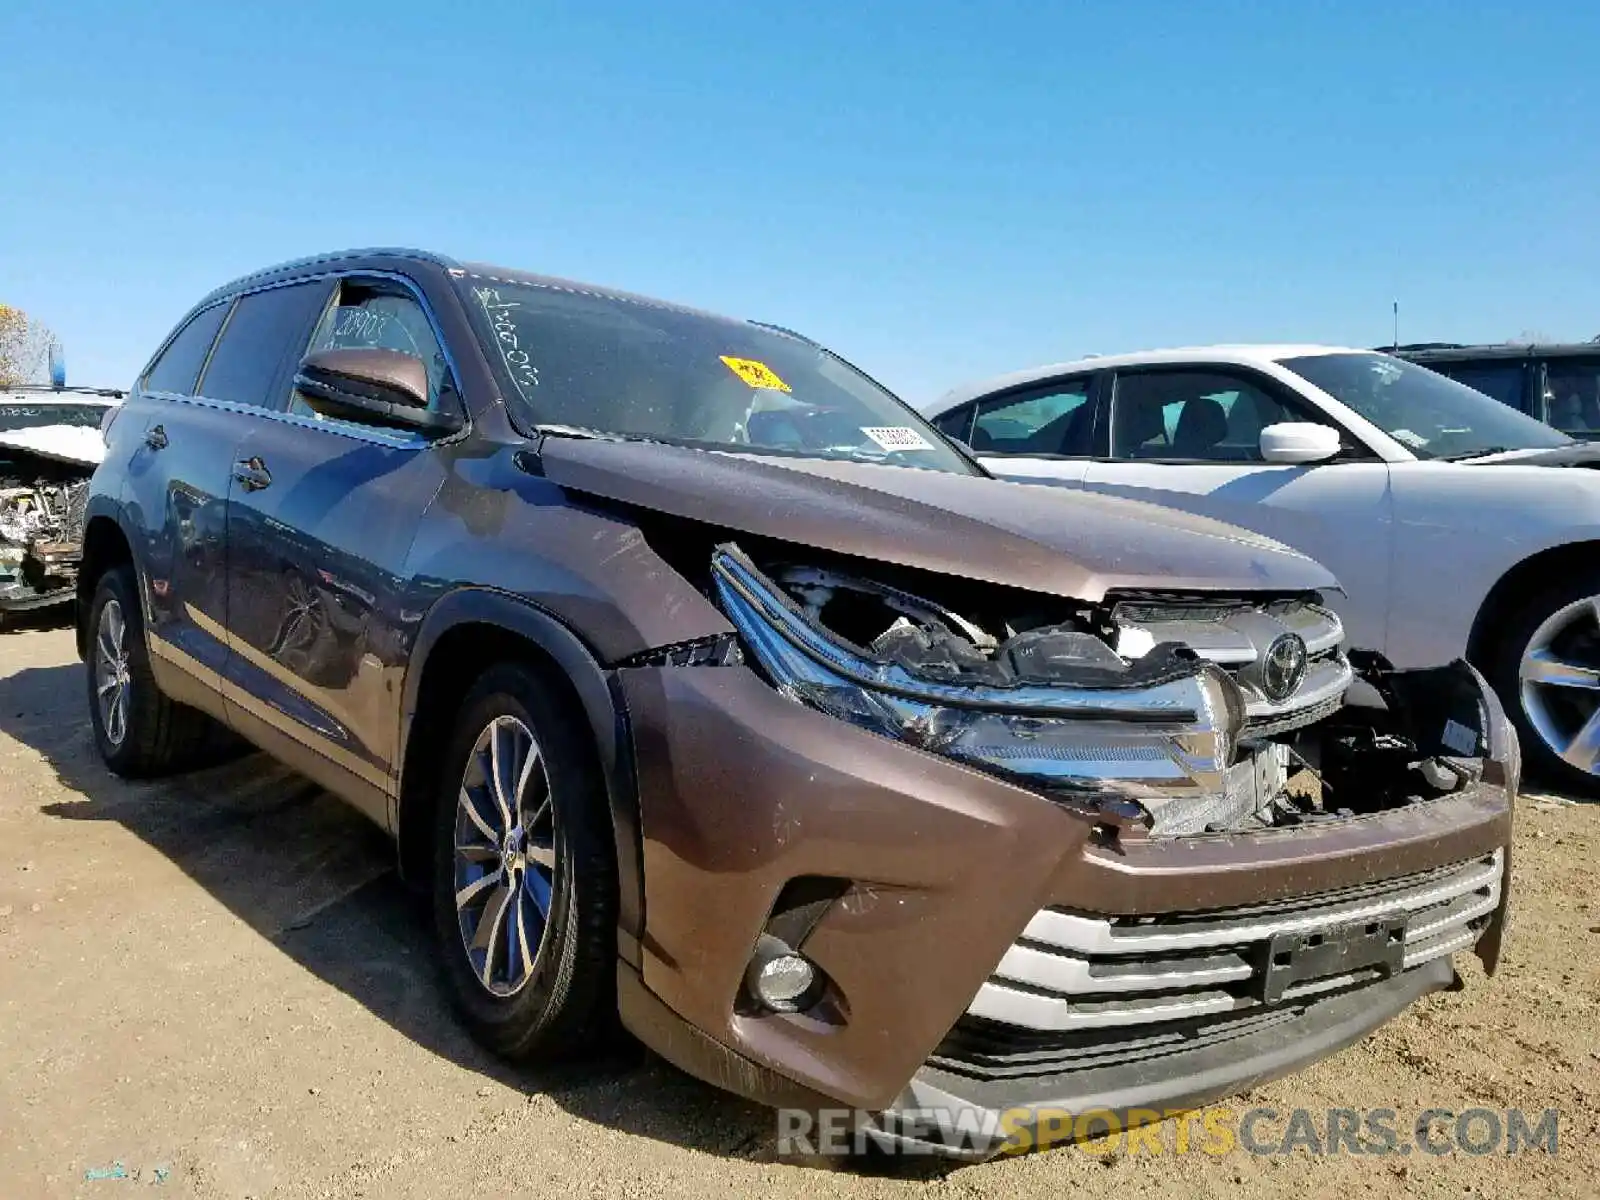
(1559, 683)
(111, 678)
(504, 855)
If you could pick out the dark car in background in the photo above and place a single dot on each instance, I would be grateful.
(703, 684)
(1557, 383)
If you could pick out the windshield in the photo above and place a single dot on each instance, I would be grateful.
(1431, 416)
(25, 415)
(634, 368)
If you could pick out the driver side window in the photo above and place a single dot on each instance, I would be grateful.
(375, 316)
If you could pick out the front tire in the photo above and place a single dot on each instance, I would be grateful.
(524, 878)
(1546, 669)
(141, 733)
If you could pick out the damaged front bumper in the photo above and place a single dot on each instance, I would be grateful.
(30, 581)
(41, 539)
(932, 873)
(994, 941)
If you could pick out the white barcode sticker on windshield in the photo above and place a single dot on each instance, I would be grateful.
(897, 437)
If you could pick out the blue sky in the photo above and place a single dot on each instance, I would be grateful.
(938, 190)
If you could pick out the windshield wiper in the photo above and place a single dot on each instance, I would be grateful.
(854, 453)
(576, 431)
(49, 388)
(1481, 453)
(583, 433)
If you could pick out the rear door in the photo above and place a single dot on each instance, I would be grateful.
(319, 529)
(175, 498)
(1189, 438)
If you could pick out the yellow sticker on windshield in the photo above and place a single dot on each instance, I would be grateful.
(756, 374)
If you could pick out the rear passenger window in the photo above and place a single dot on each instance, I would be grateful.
(266, 328)
(1055, 421)
(178, 365)
(375, 316)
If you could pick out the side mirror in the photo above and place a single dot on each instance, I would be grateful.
(1298, 442)
(372, 387)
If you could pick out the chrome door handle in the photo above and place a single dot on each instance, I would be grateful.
(253, 473)
(156, 438)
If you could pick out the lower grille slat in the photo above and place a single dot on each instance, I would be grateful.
(981, 1050)
(1073, 972)
(1098, 935)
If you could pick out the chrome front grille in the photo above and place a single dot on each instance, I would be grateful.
(1072, 971)
(1237, 638)
(1266, 723)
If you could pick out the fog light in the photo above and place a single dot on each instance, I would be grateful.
(782, 979)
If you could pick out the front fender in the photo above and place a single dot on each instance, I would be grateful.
(1462, 531)
(602, 706)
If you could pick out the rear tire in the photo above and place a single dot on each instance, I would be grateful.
(534, 855)
(1545, 667)
(140, 732)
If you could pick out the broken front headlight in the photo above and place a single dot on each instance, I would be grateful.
(1162, 732)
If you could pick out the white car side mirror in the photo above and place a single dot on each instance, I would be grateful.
(1298, 442)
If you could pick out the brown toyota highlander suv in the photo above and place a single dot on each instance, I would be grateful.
(707, 688)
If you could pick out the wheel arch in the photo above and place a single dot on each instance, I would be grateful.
(1518, 585)
(465, 632)
(106, 545)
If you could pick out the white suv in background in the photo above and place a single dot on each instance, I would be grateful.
(1442, 512)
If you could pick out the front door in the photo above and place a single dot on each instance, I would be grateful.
(319, 529)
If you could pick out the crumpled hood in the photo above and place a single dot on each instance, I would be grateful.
(1043, 538)
(58, 443)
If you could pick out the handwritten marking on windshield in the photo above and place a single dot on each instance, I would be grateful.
(358, 325)
(518, 361)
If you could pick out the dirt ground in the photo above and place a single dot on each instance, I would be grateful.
(214, 986)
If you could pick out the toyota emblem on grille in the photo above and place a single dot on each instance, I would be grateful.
(1283, 666)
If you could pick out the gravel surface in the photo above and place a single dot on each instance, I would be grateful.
(214, 986)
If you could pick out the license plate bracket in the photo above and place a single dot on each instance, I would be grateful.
(1294, 958)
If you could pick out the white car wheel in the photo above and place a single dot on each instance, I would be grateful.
(1558, 680)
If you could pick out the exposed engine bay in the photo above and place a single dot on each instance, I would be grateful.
(41, 529)
(1158, 714)
(50, 444)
